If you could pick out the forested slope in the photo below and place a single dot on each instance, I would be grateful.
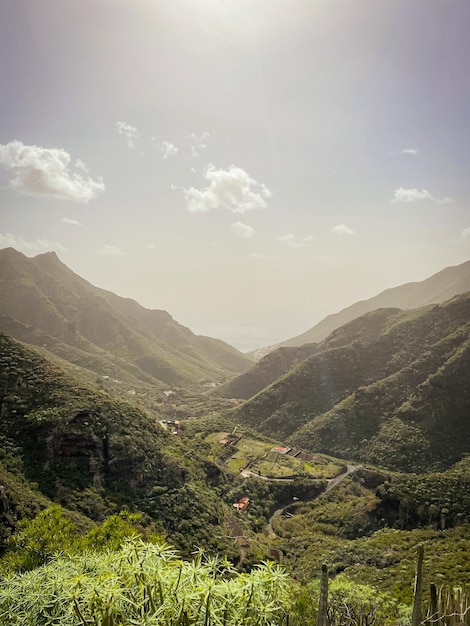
(396, 396)
(64, 442)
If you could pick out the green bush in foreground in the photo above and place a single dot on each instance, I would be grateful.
(348, 604)
(52, 532)
(142, 583)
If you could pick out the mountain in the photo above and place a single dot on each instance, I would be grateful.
(390, 388)
(71, 438)
(62, 441)
(440, 287)
(46, 304)
(278, 363)
(271, 363)
(264, 372)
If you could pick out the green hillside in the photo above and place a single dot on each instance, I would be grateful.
(264, 372)
(46, 304)
(388, 388)
(368, 529)
(62, 441)
(277, 363)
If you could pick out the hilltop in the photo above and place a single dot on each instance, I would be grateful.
(46, 304)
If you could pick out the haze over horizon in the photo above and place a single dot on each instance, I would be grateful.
(250, 166)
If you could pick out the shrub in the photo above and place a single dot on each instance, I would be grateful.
(143, 583)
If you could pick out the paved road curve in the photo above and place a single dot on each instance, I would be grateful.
(332, 482)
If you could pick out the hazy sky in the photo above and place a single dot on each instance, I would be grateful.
(247, 165)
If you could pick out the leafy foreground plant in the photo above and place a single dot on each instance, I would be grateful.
(143, 584)
(51, 532)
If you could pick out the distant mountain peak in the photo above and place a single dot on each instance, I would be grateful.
(51, 254)
(439, 287)
(11, 252)
(101, 330)
(389, 387)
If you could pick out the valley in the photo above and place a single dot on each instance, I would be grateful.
(234, 313)
(116, 422)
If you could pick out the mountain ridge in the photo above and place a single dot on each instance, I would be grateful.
(45, 294)
(400, 381)
(437, 288)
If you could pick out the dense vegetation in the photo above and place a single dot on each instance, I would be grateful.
(389, 388)
(369, 527)
(95, 487)
(63, 441)
(113, 575)
(142, 583)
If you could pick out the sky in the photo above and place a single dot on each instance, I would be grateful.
(250, 166)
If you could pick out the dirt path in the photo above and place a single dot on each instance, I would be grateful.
(332, 482)
(239, 535)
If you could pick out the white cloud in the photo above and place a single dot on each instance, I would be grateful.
(198, 143)
(402, 195)
(68, 220)
(255, 255)
(46, 171)
(243, 230)
(7, 240)
(409, 151)
(129, 132)
(342, 229)
(445, 200)
(291, 241)
(80, 165)
(466, 233)
(168, 149)
(232, 189)
(107, 250)
(149, 246)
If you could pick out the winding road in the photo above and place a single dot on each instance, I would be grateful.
(238, 532)
(332, 482)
